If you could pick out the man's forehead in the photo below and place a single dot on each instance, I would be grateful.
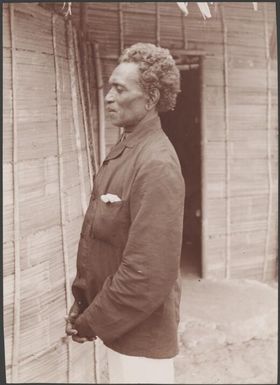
(125, 72)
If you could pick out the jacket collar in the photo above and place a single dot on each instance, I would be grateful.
(142, 130)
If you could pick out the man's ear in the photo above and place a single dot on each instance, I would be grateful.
(153, 99)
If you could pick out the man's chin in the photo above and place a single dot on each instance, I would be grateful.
(115, 122)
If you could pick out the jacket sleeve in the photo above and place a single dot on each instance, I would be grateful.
(151, 258)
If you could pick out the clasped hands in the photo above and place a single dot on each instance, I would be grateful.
(70, 329)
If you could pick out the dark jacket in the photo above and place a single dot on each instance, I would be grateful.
(128, 260)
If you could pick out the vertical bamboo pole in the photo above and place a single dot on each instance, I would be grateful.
(101, 111)
(91, 88)
(227, 146)
(91, 157)
(17, 275)
(90, 105)
(82, 97)
(157, 23)
(184, 31)
(61, 189)
(268, 142)
(121, 31)
(203, 174)
(272, 43)
(83, 17)
(74, 97)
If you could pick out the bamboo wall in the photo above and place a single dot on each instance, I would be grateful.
(47, 174)
(239, 126)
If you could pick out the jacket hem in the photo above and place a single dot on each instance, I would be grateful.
(138, 352)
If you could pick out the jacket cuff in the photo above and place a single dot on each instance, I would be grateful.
(82, 326)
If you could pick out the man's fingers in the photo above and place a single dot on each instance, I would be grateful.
(71, 317)
(80, 340)
(69, 329)
(71, 332)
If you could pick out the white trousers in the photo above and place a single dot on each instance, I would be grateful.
(139, 370)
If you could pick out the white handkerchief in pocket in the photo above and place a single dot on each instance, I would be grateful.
(110, 198)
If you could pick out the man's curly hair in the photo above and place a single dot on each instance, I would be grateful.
(157, 70)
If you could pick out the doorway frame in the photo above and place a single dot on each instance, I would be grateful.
(180, 56)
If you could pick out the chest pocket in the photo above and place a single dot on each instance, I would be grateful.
(111, 222)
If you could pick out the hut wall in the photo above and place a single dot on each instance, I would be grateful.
(46, 186)
(240, 124)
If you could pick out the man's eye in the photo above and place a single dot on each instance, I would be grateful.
(119, 89)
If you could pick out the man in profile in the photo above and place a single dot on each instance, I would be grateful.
(127, 286)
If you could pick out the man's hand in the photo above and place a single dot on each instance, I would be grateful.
(70, 330)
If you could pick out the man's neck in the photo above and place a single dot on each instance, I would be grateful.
(147, 117)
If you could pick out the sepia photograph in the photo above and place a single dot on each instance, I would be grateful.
(140, 192)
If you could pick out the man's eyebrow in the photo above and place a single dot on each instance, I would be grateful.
(116, 83)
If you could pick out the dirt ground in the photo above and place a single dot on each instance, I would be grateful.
(228, 333)
(252, 362)
(210, 352)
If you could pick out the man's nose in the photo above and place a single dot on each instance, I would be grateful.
(109, 98)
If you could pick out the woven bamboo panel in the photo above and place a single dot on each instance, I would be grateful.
(248, 246)
(243, 12)
(8, 223)
(103, 27)
(272, 268)
(135, 30)
(254, 56)
(8, 263)
(215, 167)
(6, 27)
(216, 216)
(44, 367)
(215, 187)
(250, 96)
(75, 11)
(249, 213)
(248, 178)
(246, 29)
(247, 270)
(144, 8)
(7, 106)
(240, 38)
(42, 352)
(198, 30)
(29, 19)
(171, 34)
(61, 46)
(216, 250)
(213, 71)
(251, 77)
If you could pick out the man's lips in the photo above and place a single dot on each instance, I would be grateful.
(110, 110)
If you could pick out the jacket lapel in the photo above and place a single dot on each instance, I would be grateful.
(116, 151)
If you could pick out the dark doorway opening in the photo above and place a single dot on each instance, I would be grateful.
(183, 127)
